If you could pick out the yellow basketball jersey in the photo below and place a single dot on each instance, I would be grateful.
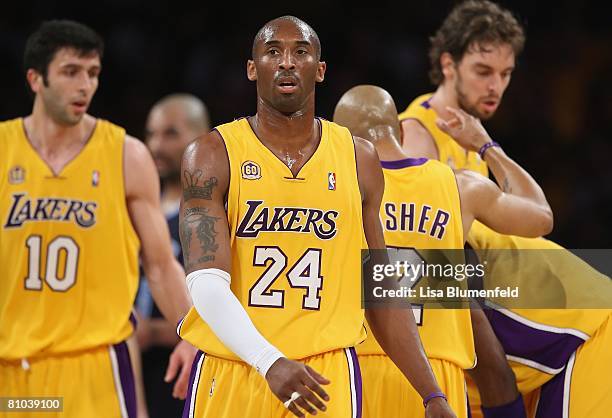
(544, 269)
(295, 244)
(68, 252)
(421, 209)
(449, 152)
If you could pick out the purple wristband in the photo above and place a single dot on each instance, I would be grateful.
(485, 147)
(431, 396)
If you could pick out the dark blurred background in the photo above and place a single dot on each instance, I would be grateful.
(554, 119)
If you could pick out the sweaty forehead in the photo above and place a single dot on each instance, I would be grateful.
(285, 30)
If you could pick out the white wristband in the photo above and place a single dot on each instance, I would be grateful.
(222, 311)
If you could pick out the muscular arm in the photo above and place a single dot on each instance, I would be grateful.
(519, 210)
(164, 273)
(203, 222)
(492, 374)
(417, 142)
(394, 329)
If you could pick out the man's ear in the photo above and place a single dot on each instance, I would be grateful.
(251, 70)
(448, 66)
(321, 71)
(35, 80)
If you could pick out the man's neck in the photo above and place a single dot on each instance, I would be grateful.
(388, 149)
(444, 96)
(49, 137)
(278, 130)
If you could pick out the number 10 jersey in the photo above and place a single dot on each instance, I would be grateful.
(68, 252)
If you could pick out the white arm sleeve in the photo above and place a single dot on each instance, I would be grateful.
(221, 310)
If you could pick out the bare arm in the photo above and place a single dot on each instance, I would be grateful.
(203, 222)
(492, 374)
(164, 273)
(417, 142)
(505, 213)
(519, 208)
(394, 329)
(152, 332)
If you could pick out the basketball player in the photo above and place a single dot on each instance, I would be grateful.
(172, 123)
(275, 279)
(472, 57)
(453, 201)
(81, 198)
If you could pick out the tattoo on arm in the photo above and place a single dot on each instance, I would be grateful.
(506, 186)
(197, 221)
(196, 187)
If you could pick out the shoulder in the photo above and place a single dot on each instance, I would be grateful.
(9, 127)
(365, 149)
(473, 185)
(208, 146)
(135, 150)
(413, 129)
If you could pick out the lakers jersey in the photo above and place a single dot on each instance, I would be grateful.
(295, 245)
(449, 151)
(68, 252)
(543, 269)
(421, 209)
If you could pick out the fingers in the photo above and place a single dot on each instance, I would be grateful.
(309, 396)
(302, 403)
(180, 386)
(312, 382)
(316, 376)
(294, 410)
(442, 125)
(459, 113)
(173, 365)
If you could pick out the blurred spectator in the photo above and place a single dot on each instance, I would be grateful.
(173, 122)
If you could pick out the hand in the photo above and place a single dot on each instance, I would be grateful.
(181, 359)
(288, 376)
(439, 408)
(465, 129)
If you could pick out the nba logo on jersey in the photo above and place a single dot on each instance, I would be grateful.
(17, 175)
(250, 170)
(331, 181)
(95, 178)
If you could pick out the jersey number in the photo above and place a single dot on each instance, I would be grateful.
(59, 246)
(411, 256)
(305, 273)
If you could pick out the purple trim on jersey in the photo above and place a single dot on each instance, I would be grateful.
(357, 381)
(133, 320)
(406, 162)
(179, 324)
(550, 404)
(126, 376)
(426, 104)
(514, 409)
(192, 375)
(548, 348)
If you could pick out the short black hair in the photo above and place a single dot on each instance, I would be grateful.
(54, 35)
